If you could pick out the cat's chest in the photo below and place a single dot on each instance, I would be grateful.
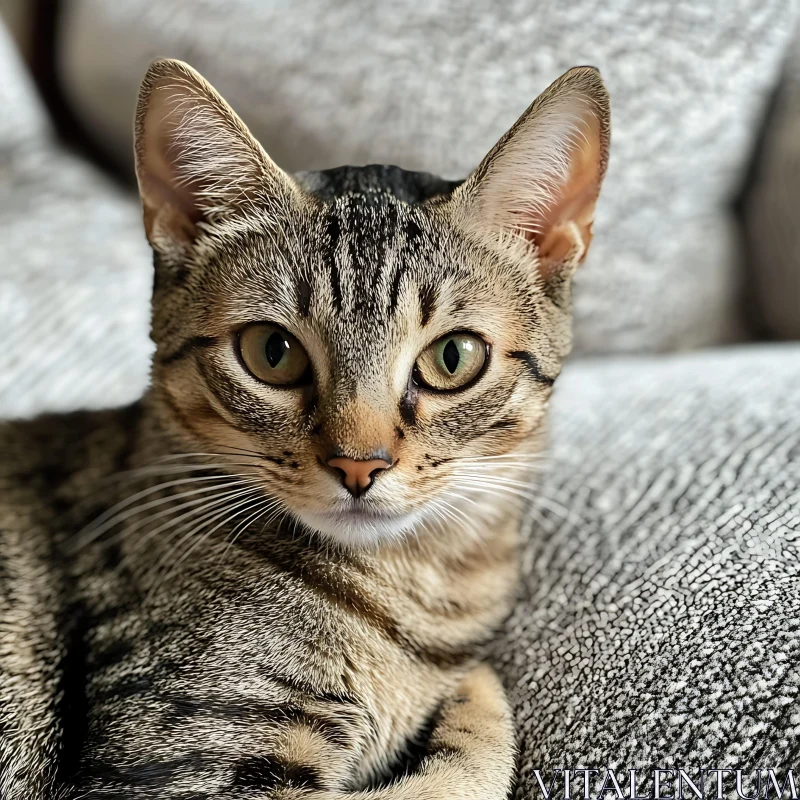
(256, 620)
(221, 664)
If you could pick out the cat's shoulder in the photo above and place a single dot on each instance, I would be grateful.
(40, 456)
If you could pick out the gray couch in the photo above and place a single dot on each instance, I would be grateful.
(659, 622)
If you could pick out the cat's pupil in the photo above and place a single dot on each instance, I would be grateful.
(450, 356)
(276, 347)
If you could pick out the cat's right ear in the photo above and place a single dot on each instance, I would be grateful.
(196, 160)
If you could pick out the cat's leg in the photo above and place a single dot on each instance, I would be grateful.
(472, 750)
(471, 754)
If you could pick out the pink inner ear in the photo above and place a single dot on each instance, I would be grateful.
(566, 231)
(552, 209)
(562, 232)
(167, 195)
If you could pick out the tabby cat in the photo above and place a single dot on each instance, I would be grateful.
(273, 576)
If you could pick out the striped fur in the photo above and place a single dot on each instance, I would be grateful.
(193, 606)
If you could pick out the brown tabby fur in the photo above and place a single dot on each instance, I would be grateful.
(191, 604)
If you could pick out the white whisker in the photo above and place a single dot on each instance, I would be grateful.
(122, 510)
(227, 514)
(207, 505)
(262, 509)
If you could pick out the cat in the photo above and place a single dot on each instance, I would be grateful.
(274, 575)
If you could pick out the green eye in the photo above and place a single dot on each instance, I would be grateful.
(451, 362)
(273, 355)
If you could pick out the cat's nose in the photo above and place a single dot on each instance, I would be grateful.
(357, 476)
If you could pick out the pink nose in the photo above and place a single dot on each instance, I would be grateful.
(357, 476)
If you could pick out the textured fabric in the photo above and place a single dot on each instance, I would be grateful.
(771, 211)
(433, 85)
(660, 619)
(75, 270)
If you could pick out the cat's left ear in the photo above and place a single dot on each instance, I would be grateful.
(195, 158)
(540, 182)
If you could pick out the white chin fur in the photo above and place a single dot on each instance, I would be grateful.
(354, 532)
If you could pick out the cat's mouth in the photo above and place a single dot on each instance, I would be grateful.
(361, 511)
(360, 523)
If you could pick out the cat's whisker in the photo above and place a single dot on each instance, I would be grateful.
(150, 471)
(228, 514)
(502, 465)
(195, 517)
(528, 457)
(453, 511)
(280, 513)
(176, 469)
(488, 480)
(263, 508)
(528, 491)
(123, 511)
(229, 447)
(496, 480)
(535, 491)
(199, 454)
(153, 489)
(502, 491)
(460, 518)
(207, 504)
(522, 503)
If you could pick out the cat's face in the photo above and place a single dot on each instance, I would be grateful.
(376, 347)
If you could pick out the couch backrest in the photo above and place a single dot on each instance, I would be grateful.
(22, 117)
(432, 85)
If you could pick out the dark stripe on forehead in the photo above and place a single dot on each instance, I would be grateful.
(427, 302)
(389, 231)
(413, 232)
(334, 232)
(413, 239)
(371, 226)
(303, 297)
(532, 366)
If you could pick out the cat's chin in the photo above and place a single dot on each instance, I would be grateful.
(357, 528)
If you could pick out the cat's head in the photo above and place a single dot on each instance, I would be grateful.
(379, 345)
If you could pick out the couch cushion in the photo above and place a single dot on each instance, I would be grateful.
(75, 271)
(432, 86)
(660, 619)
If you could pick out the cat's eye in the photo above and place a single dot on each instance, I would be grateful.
(273, 355)
(451, 362)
